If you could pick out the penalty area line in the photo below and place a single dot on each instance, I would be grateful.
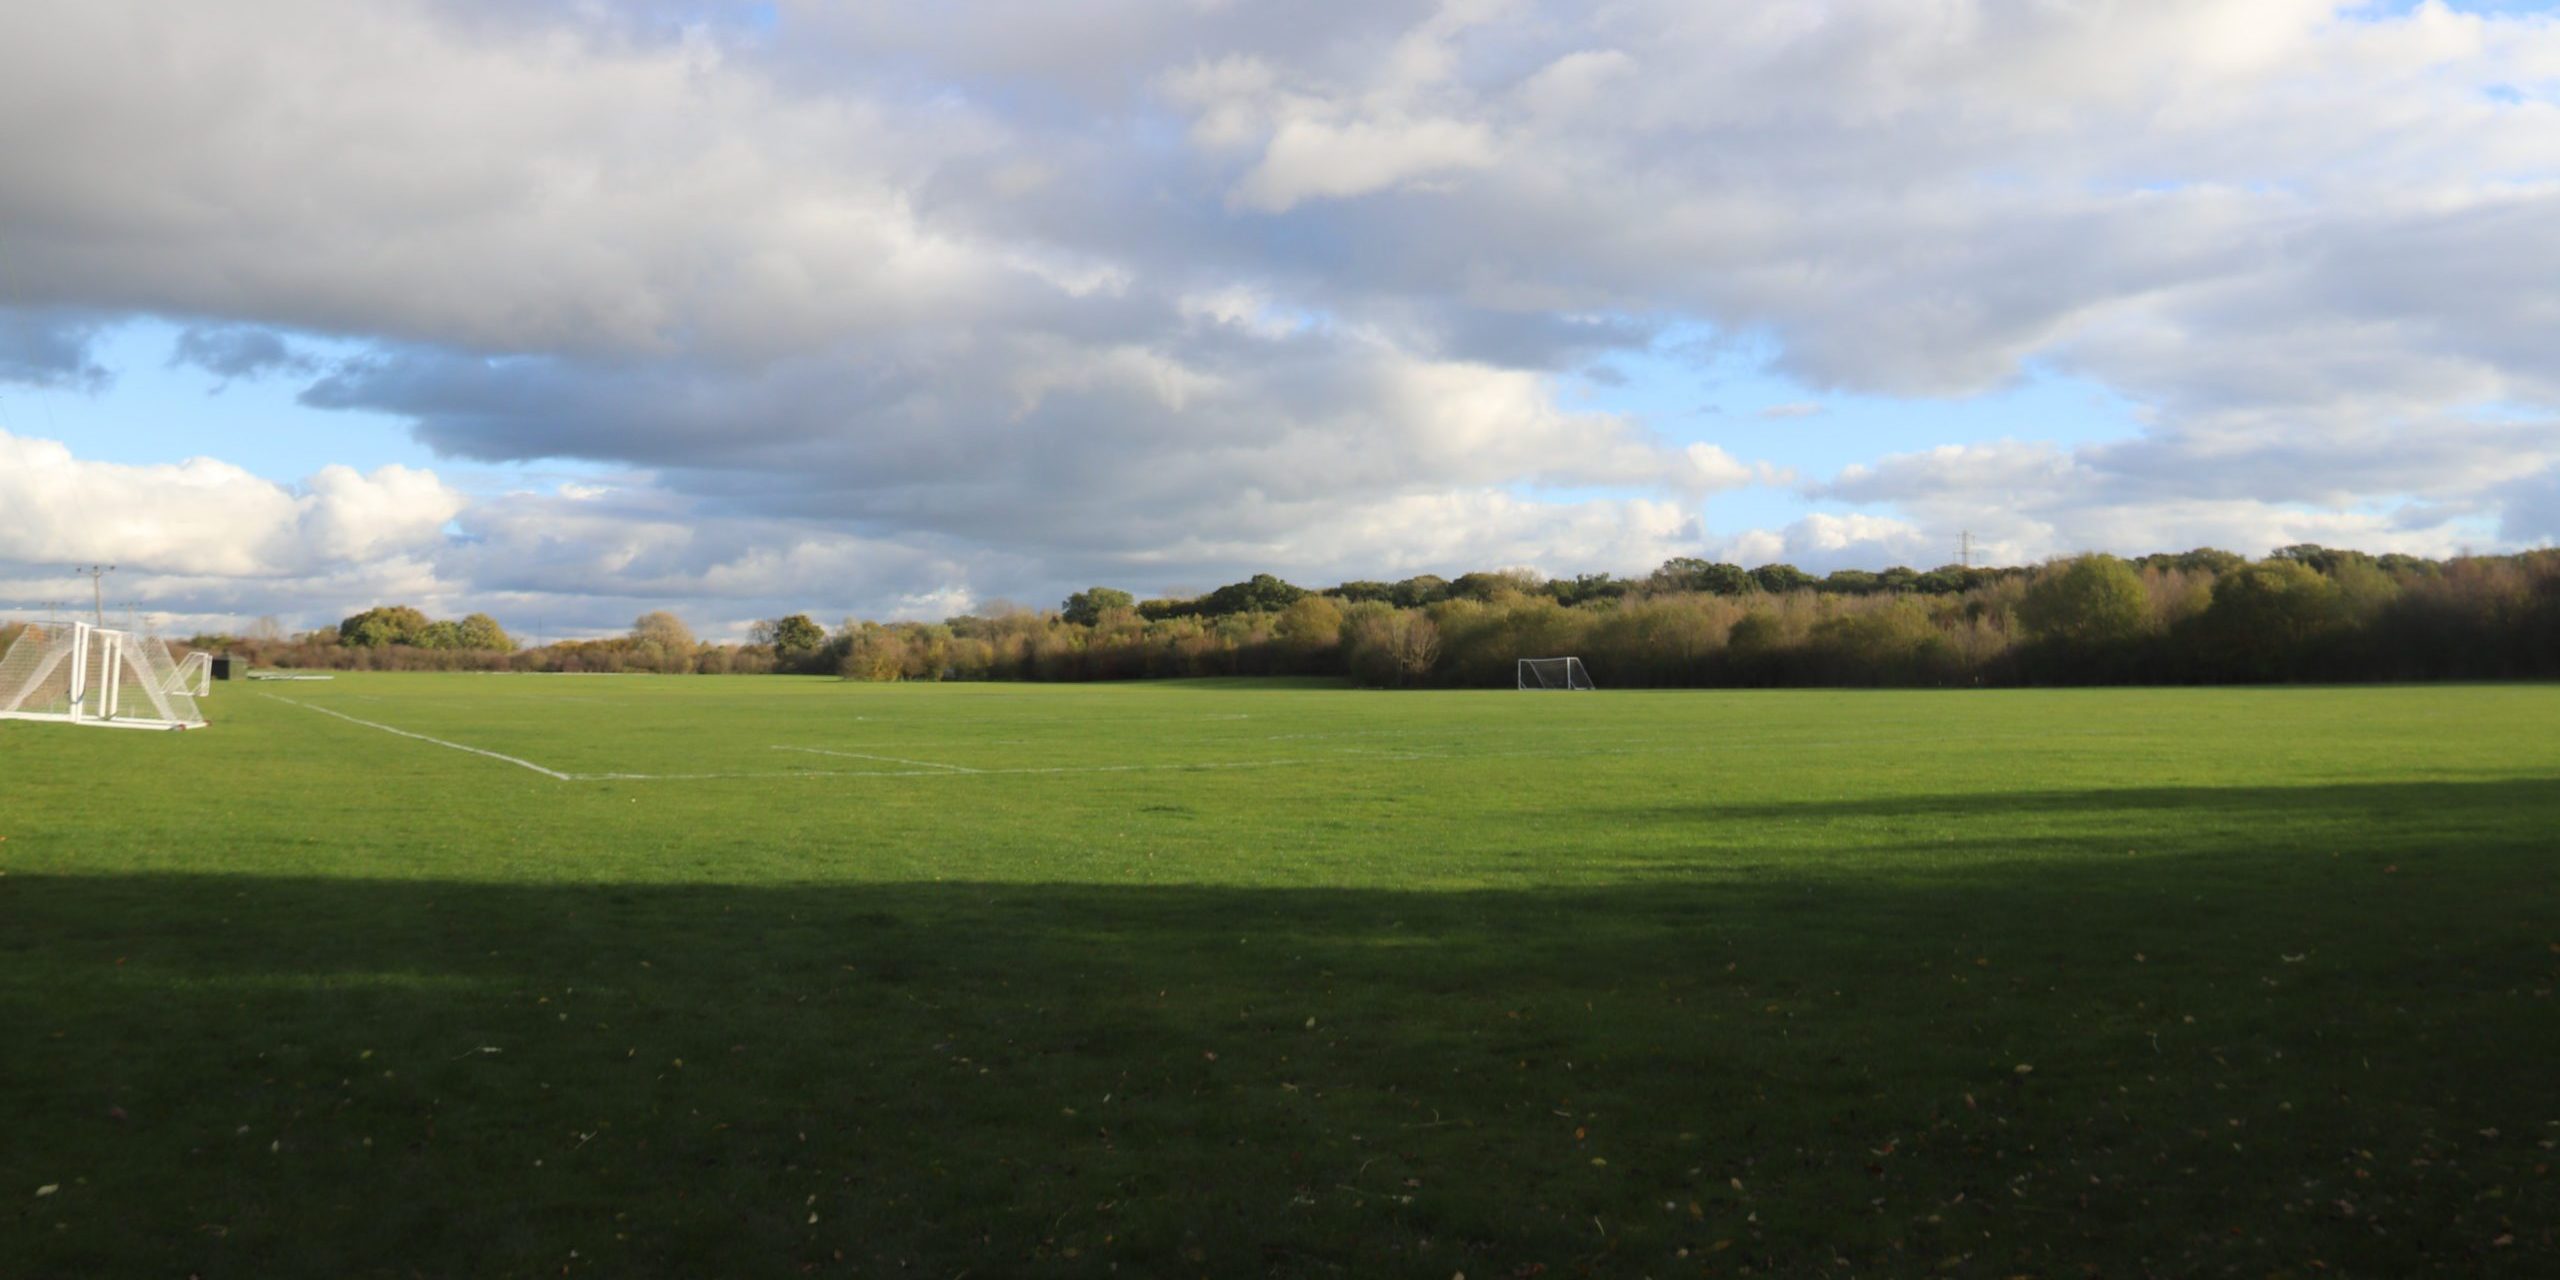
(456, 746)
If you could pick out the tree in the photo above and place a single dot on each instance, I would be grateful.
(439, 635)
(1261, 593)
(480, 631)
(2202, 559)
(1486, 586)
(1778, 579)
(1421, 589)
(1689, 573)
(791, 636)
(1394, 646)
(1584, 588)
(2265, 615)
(662, 628)
(383, 625)
(875, 652)
(2091, 600)
(663, 641)
(1086, 607)
(2325, 559)
(1310, 626)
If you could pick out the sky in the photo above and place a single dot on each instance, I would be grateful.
(571, 311)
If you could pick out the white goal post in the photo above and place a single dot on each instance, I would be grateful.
(1554, 673)
(82, 674)
(195, 675)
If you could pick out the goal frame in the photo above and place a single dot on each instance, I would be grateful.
(103, 665)
(1565, 673)
(194, 676)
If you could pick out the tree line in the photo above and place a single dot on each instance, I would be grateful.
(2304, 613)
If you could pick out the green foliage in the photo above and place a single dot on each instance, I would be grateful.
(1687, 573)
(2089, 600)
(480, 631)
(387, 626)
(1897, 644)
(1086, 607)
(1692, 622)
(2266, 615)
(2201, 560)
(1495, 584)
(442, 634)
(383, 625)
(1421, 590)
(792, 636)
(1262, 593)
(1588, 588)
(1310, 626)
(1778, 579)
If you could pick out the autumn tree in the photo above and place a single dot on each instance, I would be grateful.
(1394, 647)
(662, 641)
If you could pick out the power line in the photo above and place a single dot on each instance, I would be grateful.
(98, 588)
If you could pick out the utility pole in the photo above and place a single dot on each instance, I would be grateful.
(98, 588)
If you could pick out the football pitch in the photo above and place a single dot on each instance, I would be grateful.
(515, 975)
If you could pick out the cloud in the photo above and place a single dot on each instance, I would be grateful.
(238, 351)
(49, 350)
(2349, 477)
(206, 517)
(1042, 294)
(1793, 409)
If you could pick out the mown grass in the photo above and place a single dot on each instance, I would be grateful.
(1289, 980)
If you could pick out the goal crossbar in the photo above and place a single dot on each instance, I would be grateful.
(1554, 673)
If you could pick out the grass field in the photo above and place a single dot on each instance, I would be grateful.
(754, 976)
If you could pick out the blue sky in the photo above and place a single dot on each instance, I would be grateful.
(893, 310)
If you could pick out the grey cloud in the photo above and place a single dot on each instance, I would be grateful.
(40, 349)
(238, 351)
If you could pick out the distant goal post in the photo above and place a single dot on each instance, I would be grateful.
(1554, 673)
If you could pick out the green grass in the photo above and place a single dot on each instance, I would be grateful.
(1283, 979)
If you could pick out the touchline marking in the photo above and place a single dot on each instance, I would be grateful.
(477, 751)
(856, 755)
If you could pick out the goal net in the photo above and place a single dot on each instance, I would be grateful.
(82, 674)
(1554, 673)
(195, 675)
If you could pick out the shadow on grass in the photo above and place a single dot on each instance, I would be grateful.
(2497, 803)
(2223, 1056)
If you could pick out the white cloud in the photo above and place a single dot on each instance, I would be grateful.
(945, 301)
(1318, 159)
(209, 518)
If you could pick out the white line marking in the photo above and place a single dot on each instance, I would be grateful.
(930, 769)
(521, 764)
(856, 755)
